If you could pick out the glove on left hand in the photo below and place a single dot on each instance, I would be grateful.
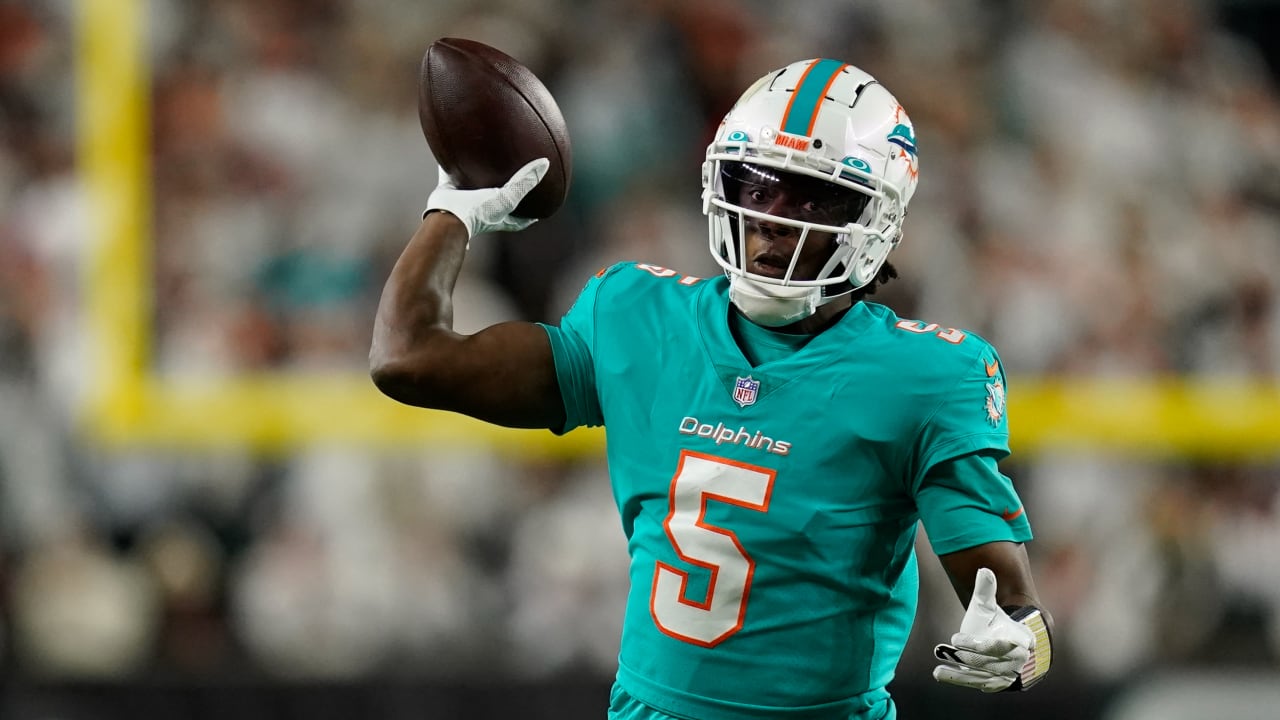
(993, 652)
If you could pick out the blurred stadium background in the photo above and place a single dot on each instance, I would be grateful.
(207, 511)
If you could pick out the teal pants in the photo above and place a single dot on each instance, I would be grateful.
(624, 707)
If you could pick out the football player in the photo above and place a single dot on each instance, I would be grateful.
(774, 438)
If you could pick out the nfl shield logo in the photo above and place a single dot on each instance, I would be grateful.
(745, 391)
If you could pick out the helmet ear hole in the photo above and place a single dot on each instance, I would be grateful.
(866, 265)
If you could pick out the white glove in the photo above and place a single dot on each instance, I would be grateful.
(489, 209)
(994, 652)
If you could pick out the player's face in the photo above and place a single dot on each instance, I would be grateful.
(771, 245)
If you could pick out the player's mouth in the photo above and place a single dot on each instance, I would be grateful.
(769, 264)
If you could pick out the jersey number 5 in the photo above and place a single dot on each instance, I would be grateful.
(701, 479)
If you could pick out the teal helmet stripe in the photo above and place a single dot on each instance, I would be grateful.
(802, 110)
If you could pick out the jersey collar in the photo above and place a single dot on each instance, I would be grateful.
(833, 343)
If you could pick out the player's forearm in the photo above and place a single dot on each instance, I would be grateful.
(416, 305)
(1009, 562)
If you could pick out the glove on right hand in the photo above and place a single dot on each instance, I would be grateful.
(489, 209)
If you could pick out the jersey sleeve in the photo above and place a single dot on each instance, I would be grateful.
(967, 501)
(967, 417)
(573, 345)
(963, 498)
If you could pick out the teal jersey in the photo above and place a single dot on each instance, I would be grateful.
(771, 508)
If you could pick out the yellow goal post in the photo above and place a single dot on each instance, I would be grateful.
(130, 406)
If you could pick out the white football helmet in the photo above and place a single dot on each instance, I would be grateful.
(836, 126)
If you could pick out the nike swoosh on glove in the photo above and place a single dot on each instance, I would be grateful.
(994, 652)
(489, 209)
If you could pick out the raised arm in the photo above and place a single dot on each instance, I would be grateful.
(504, 374)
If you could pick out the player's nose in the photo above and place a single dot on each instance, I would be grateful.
(775, 231)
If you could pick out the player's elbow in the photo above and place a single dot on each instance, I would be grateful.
(412, 379)
(390, 378)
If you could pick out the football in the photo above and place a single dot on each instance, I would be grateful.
(485, 115)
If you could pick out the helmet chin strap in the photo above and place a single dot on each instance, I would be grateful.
(772, 305)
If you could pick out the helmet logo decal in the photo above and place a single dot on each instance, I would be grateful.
(791, 141)
(745, 391)
(904, 137)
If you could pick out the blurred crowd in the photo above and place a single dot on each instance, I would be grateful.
(1100, 196)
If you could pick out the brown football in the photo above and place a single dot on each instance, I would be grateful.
(485, 115)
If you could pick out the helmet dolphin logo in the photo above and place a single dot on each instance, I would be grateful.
(904, 137)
